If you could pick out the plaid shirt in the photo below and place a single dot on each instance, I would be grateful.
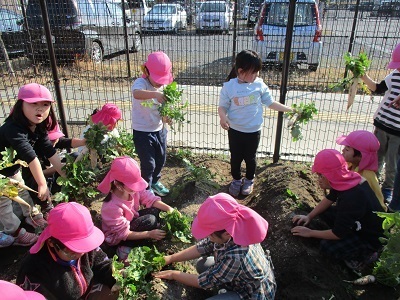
(248, 271)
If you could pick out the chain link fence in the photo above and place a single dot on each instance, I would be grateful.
(88, 52)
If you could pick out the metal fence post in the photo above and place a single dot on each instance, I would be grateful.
(285, 77)
(53, 64)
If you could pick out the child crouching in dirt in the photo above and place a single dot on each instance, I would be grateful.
(361, 152)
(123, 222)
(232, 257)
(355, 228)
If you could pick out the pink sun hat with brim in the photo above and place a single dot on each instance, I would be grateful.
(109, 115)
(333, 166)
(160, 68)
(223, 212)
(55, 134)
(395, 62)
(11, 291)
(365, 142)
(126, 170)
(72, 224)
(34, 92)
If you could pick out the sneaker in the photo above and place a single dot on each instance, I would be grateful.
(234, 188)
(25, 238)
(123, 252)
(5, 240)
(387, 194)
(159, 189)
(361, 265)
(36, 221)
(247, 187)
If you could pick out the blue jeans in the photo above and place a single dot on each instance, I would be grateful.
(395, 203)
(151, 148)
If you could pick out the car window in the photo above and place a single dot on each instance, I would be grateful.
(8, 20)
(163, 9)
(277, 14)
(213, 7)
(115, 10)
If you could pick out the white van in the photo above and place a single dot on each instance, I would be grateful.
(135, 9)
(270, 33)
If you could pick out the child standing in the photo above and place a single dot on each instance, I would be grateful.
(149, 132)
(241, 113)
(123, 222)
(25, 131)
(355, 228)
(232, 257)
(361, 152)
(387, 122)
(66, 262)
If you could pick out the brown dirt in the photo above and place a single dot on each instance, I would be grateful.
(301, 272)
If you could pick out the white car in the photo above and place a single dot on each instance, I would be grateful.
(213, 16)
(165, 18)
(270, 33)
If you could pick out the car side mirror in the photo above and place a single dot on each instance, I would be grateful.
(20, 22)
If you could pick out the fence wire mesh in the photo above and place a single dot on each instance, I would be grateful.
(99, 48)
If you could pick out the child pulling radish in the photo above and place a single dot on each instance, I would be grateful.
(25, 131)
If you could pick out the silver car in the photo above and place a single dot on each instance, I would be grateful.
(165, 18)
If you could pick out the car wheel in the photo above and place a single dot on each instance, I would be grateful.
(137, 43)
(96, 53)
(313, 67)
(197, 31)
(175, 29)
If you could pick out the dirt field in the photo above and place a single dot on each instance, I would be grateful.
(301, 272)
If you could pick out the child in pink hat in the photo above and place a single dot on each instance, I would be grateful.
(232, 257)
(361, 153)
(354, 227)
(123, 222)
(66, 262)
(10, 291)
(149, 132)
(25, 131)
(387, 122)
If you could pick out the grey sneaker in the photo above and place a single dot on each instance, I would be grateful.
(247, 188)
(5, 240)
(234, 188)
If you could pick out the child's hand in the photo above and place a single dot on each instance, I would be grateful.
(396, 102)
(43, 193)
(168, 274)
(157, 234)
(167, 120)
(160, 97)
(224, 123)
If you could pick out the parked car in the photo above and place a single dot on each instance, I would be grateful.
(254, 11)
(135, 10)
(388, 9)
(270, 33)
(214, 16)
(11, 33)
(165, 18)
(81, 28)
(364, 6)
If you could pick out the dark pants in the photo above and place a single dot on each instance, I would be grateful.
(243, 146)
(395, 203)
(148, 220)
(151, 148)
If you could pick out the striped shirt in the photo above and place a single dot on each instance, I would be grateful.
(387, 117)
(248, 271)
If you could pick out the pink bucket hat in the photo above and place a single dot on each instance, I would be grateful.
(223, 212)
(160, 67)
(126, 170)
(395, 62)
(55, 134)
(72, 224)
(11, 291)
(109, 115)
(332, 165)
(365, 142)
(34, 92)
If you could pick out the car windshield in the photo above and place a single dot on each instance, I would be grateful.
(163, 9)
(213, 7)
(8, 20)
(277, 14)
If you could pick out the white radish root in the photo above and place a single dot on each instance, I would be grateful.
(352, 92)
(362, 280)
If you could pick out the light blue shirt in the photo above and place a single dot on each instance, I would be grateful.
(244, 104)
